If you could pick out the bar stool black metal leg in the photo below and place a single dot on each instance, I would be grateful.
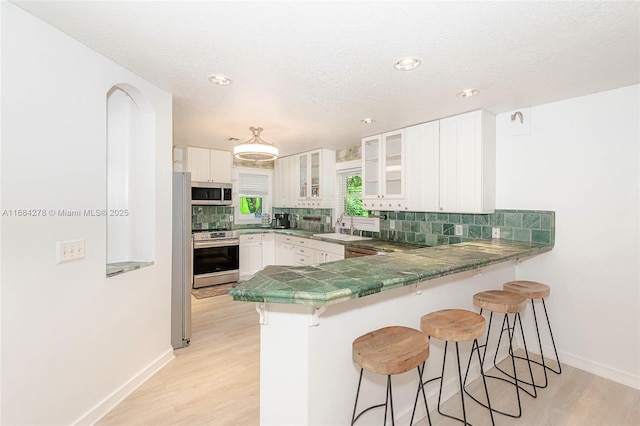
(424, 396)
(511, 332)
(389, 401)
(355, 418)
(559, 371)
(474, 348)
(484, 380)
(542, 363)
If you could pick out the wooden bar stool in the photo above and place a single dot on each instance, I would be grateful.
(456, 325)
(505, 302)
(537, 291)
(390, 351)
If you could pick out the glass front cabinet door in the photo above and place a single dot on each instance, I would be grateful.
(383, 173)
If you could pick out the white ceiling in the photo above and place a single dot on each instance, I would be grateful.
(308, 72)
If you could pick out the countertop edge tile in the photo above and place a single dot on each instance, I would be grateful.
(364, 276)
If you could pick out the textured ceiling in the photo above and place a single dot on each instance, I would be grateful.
(308, 72)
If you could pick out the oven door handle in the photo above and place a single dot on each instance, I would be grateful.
(216, 243)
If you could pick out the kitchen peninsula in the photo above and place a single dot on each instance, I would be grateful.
(310, 316)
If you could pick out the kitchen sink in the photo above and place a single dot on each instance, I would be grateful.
(342, 237)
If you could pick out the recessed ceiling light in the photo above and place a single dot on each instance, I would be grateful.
(368, 120)
(219, 80)
(408, 63)
(467, 93)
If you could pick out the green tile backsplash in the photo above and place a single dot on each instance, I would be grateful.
(439, 228)
(209, 217)
(298, 221)
(432, 229)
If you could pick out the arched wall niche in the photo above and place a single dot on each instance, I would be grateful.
(131, 169)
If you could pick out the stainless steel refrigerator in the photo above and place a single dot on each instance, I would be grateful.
(181, 272)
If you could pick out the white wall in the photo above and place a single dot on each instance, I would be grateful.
(581, 160)
(73, 341)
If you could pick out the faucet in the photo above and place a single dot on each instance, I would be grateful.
(351, 228)
(338, 223)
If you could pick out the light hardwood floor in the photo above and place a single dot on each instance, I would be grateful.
(215, 381)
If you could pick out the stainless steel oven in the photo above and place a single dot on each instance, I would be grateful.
(216, 258)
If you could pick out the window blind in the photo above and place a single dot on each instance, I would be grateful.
(252, 184)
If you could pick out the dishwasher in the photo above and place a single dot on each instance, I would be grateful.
(351, 251)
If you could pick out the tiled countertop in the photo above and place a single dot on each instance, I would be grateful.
(339, 281)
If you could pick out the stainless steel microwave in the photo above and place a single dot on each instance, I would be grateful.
(210, 194)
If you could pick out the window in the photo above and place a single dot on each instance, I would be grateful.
(349, 203)
(353, 195)
(250, 205)
(253, 195)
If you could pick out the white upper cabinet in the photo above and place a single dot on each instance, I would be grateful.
(316, 179)
(209, 165)
(286, 181)
(446, 165)
(422, 144)
(467, 163)
(383, 171)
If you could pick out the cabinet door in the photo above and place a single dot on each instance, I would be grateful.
(330, 257)
(314, 174)
(279, 182)
(220, 166)
(371, 185)
(268, 250)
(250, 255)
(303, 165)
(467, 163)
(199, 164)
(393, 180)
(285, 254)
(422, 167)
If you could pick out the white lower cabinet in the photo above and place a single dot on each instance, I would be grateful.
(285, 250)
(256, 252)
(326, 252)
(268, 249)
(292, 250)
(250, 255)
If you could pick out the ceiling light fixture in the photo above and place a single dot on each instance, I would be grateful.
(219, 80)
(408, 63)
(255, 149)
(368, 120)
(467, 93)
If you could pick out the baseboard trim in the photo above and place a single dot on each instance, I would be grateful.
(604, 371)
(106, 405)
(598, 369)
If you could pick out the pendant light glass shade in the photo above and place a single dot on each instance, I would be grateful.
(255, 149)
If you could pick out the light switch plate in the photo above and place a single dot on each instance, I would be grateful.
(458, 230)
(392, 224)
(495, 232)
(66, 251)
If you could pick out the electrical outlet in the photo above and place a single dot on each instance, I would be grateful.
(392, 224)
(67, 251)
(230, 218)
(495, 232)
(458, 230)
(327, 219)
